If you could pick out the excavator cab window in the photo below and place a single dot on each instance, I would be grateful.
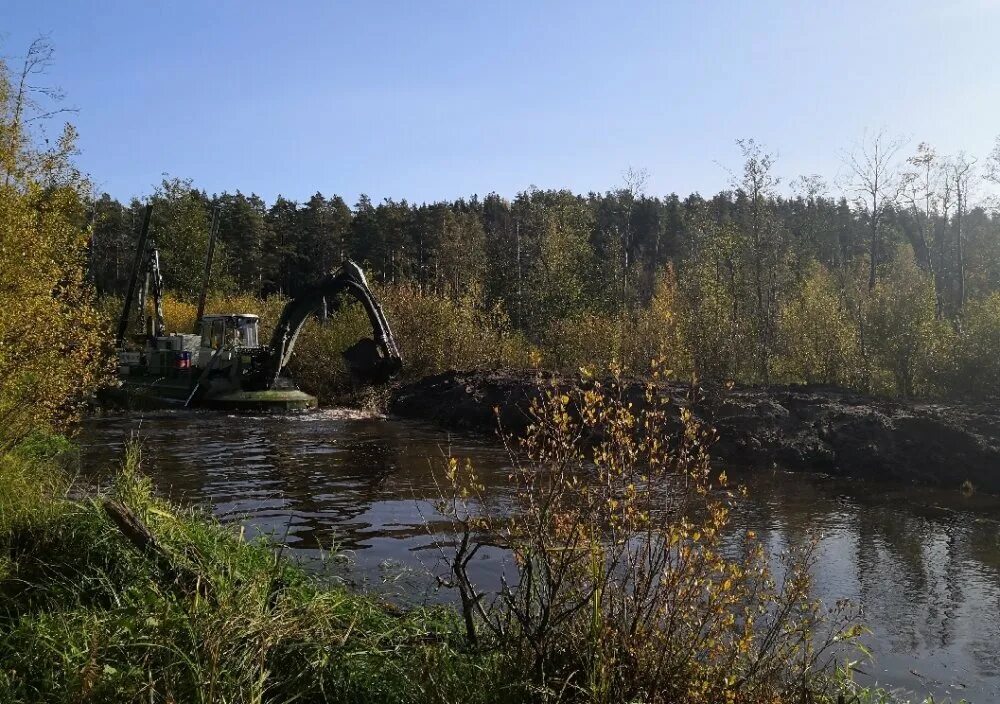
(247, 331)
(213, 333)
(218, 333)
(230, 331)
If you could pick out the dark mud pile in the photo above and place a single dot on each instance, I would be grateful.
(800, 428)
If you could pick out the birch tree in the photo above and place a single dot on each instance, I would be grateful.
(876, 185)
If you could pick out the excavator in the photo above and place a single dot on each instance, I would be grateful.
(222, 363)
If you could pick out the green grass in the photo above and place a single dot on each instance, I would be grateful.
(84, 616)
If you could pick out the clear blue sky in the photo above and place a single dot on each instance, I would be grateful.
(428, 100)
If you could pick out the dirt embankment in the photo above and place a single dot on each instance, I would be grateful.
(816, 429)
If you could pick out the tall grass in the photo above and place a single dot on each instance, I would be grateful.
(88, 617)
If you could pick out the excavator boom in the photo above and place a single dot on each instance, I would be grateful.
(372, 360)
(146, 265)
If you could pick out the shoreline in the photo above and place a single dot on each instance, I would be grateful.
(795, 428)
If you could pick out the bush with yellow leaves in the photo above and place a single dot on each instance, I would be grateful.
(625, 582)
(52, 354)
(818, 340)
(436, 332)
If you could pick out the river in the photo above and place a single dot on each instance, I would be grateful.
(353, 496)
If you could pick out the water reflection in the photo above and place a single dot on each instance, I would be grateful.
(923, 565)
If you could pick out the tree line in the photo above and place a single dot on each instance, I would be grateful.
(909, 243)
(890, 286)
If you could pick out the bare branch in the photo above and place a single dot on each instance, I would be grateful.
(992, 171)
(51, 113)
(635, 181)
(877, 185)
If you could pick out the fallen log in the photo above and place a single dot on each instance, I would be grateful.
(179, 577)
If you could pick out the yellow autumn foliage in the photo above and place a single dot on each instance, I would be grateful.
(51, 335)
(656, 595)
(817, 338)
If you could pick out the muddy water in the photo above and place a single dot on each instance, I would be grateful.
(353, 496)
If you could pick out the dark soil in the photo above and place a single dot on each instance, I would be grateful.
(797, 428)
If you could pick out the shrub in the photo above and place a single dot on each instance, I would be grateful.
(967, 363)
(659, 331)
(627, 342)
(901, 328)
(436, 332)
(584, 340)
(817, 338)
(715, 322)
(625, 584)
(51, 352)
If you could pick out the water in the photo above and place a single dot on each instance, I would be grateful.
(923, 565)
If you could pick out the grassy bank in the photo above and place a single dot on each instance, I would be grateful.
(88, 617)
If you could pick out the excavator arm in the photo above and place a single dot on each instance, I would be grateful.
(374, 360)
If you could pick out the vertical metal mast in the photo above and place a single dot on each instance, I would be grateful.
(136, 264)
(208, 268)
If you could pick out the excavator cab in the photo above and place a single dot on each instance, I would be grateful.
(236, 331)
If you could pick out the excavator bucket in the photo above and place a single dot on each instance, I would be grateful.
(368, 364)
